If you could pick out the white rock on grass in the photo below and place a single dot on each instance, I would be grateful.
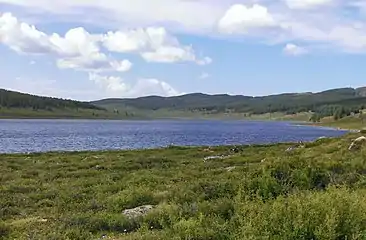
(216, 157)
(229, 169)
(138, 211)
(357, 143)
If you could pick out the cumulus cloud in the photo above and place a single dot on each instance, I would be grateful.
(205, 17)
(192, 15)
(94, 63)
(78, 49)
(294, 50)
(152, 87)
(138, 39)
(121, 66)
(154, 44)
(322, 29)
(307, 4)
(325, 26)
(169, 55)
(111, 84)
(240, 18)
(343, 37)
(117, 87)
(21, 37)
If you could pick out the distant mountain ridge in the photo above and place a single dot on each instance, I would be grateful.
(286, 102)
(342, 100)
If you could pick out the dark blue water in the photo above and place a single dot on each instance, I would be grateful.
(70, 135)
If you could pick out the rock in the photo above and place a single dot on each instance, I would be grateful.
(357, 143)
(298, 145)
(354, 131)
(235, 150)
(216, 157)
(138, 211)
(290, 149)
(208, 150)
(229, 169)
(98, 167)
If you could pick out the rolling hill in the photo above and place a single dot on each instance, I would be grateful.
(11, 99)
(21, 105)
(289, 103)
(341, 101)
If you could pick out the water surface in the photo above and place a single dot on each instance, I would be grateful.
(17, 136)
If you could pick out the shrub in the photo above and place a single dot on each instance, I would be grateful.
(333, 214)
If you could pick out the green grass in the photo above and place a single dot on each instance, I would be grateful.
(315, 192)
(344, 123)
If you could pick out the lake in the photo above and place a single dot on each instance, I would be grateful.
(20, 136)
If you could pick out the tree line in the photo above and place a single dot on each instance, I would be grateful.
(10, 99)
(324, 103)
(336, 111)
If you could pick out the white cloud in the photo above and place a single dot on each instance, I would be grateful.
(111, 84)
(116, 87)
(204, 75)
(154, 44)
(77, 42)
(240, 18)
(139, 39)
(324, 30)
(294, 50)
(341, 38)
(307, 4)
(94, 63)
(270, 21)
(192, 15)
(78, 49)
(152, 86)
(21, 37)
(122, 66)
(169, 55)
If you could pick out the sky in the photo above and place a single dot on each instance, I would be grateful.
(92, 49)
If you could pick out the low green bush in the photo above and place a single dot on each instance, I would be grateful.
(314, 192)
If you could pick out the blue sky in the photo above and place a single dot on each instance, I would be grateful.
(86, 50)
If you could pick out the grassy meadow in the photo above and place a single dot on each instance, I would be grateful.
(316, 191)
(344, 123)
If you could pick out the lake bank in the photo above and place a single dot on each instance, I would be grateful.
(286, 190)
(352, 124)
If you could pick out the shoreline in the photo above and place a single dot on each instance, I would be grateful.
(330, 127)
(295, 122)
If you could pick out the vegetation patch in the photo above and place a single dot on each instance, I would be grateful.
(317, 191)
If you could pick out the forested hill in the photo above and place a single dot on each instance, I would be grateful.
(289, 103)
(336, 102)
(11, 99)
